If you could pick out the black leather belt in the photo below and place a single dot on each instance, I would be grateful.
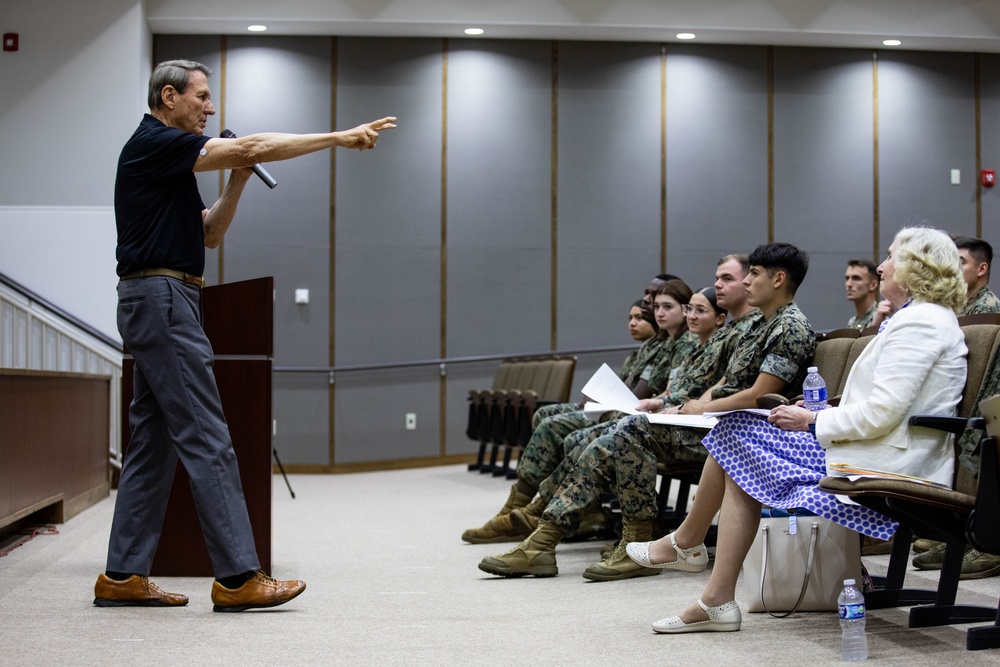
(169, 273)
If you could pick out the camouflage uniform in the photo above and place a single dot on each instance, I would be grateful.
(866, 320)
(628, 367)
(984, 301)
(696, 376)
(623, 460)
(675, 352)
(646, 354)
(553, 423)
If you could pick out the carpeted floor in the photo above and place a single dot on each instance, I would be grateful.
(391, 583)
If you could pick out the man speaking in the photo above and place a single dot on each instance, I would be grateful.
(176, 414)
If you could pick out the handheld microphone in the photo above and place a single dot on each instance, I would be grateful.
(257, 169)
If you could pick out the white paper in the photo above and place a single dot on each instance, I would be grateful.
(607, 392)
(606, 387)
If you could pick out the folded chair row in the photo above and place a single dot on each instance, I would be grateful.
(500, 417)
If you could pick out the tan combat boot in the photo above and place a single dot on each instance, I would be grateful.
(535, 556)
(526, 518)
(617, 565)
(607, 548)
(499, 528)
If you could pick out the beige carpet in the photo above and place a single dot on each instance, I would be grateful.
(391, 583)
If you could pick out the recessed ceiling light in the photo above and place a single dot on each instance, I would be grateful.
(685, 35)
(256, 28)
(474, 31)
(891, 42)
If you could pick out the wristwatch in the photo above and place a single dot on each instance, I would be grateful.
(812, 424)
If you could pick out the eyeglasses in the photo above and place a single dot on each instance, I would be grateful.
(697, 310)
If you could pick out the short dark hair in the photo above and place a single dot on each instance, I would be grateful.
(866, 264)
(784, 256)
(665, 277)
(171, 73)
(978, 248)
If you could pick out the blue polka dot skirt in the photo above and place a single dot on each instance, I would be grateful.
(783, 468)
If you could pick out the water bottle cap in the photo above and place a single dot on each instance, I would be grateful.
(812, 369)
(849, 582)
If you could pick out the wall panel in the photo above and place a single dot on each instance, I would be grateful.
(823, 170)
(371, 409)
(388, 214)
(926, 129)
(499, 196)
(716, 156)
(608, 186)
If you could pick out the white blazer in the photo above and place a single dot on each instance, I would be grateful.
(916, 366)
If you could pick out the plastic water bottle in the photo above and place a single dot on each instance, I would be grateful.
(853, 640)
(814, 390)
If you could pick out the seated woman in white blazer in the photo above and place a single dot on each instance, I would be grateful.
(915, 365)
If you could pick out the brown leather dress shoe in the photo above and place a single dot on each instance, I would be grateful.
(259, 592)
(135, 591)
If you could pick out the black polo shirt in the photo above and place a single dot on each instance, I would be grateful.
(157, 204)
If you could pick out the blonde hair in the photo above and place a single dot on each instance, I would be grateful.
(927, 266)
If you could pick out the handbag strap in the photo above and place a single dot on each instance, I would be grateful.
(813, 537)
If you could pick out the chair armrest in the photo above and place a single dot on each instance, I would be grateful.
(771, 401)
(954, 425)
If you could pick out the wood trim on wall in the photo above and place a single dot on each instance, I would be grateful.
(332, 322)
(876, 252)
(443, 381)
(770, 144)
(373, 466)
(978, 89)
(663, 158)
(554, 233)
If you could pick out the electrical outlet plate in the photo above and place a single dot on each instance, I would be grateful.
(411, 421)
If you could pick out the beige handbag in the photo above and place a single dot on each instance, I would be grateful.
(799, 562)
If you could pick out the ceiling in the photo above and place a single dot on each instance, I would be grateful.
(932, 25)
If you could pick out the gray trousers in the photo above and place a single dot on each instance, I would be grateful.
(176, 414)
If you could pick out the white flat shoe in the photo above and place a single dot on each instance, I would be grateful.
(724, 618)
(694, 559)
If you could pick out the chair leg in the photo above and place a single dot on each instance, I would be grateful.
(944, 611)
(984, 636)
(487, 468)
(502, 469)
(889, 590)
(479, 458)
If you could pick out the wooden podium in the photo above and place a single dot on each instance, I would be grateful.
(239, 321)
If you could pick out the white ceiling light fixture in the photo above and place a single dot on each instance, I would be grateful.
(474, 31)
(685, 35)
(257, 28)
(891, 42)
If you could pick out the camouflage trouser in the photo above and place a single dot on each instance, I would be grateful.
(554, 437)
(551, 411)
(622, 461)
(545, 449)
(574, 445)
